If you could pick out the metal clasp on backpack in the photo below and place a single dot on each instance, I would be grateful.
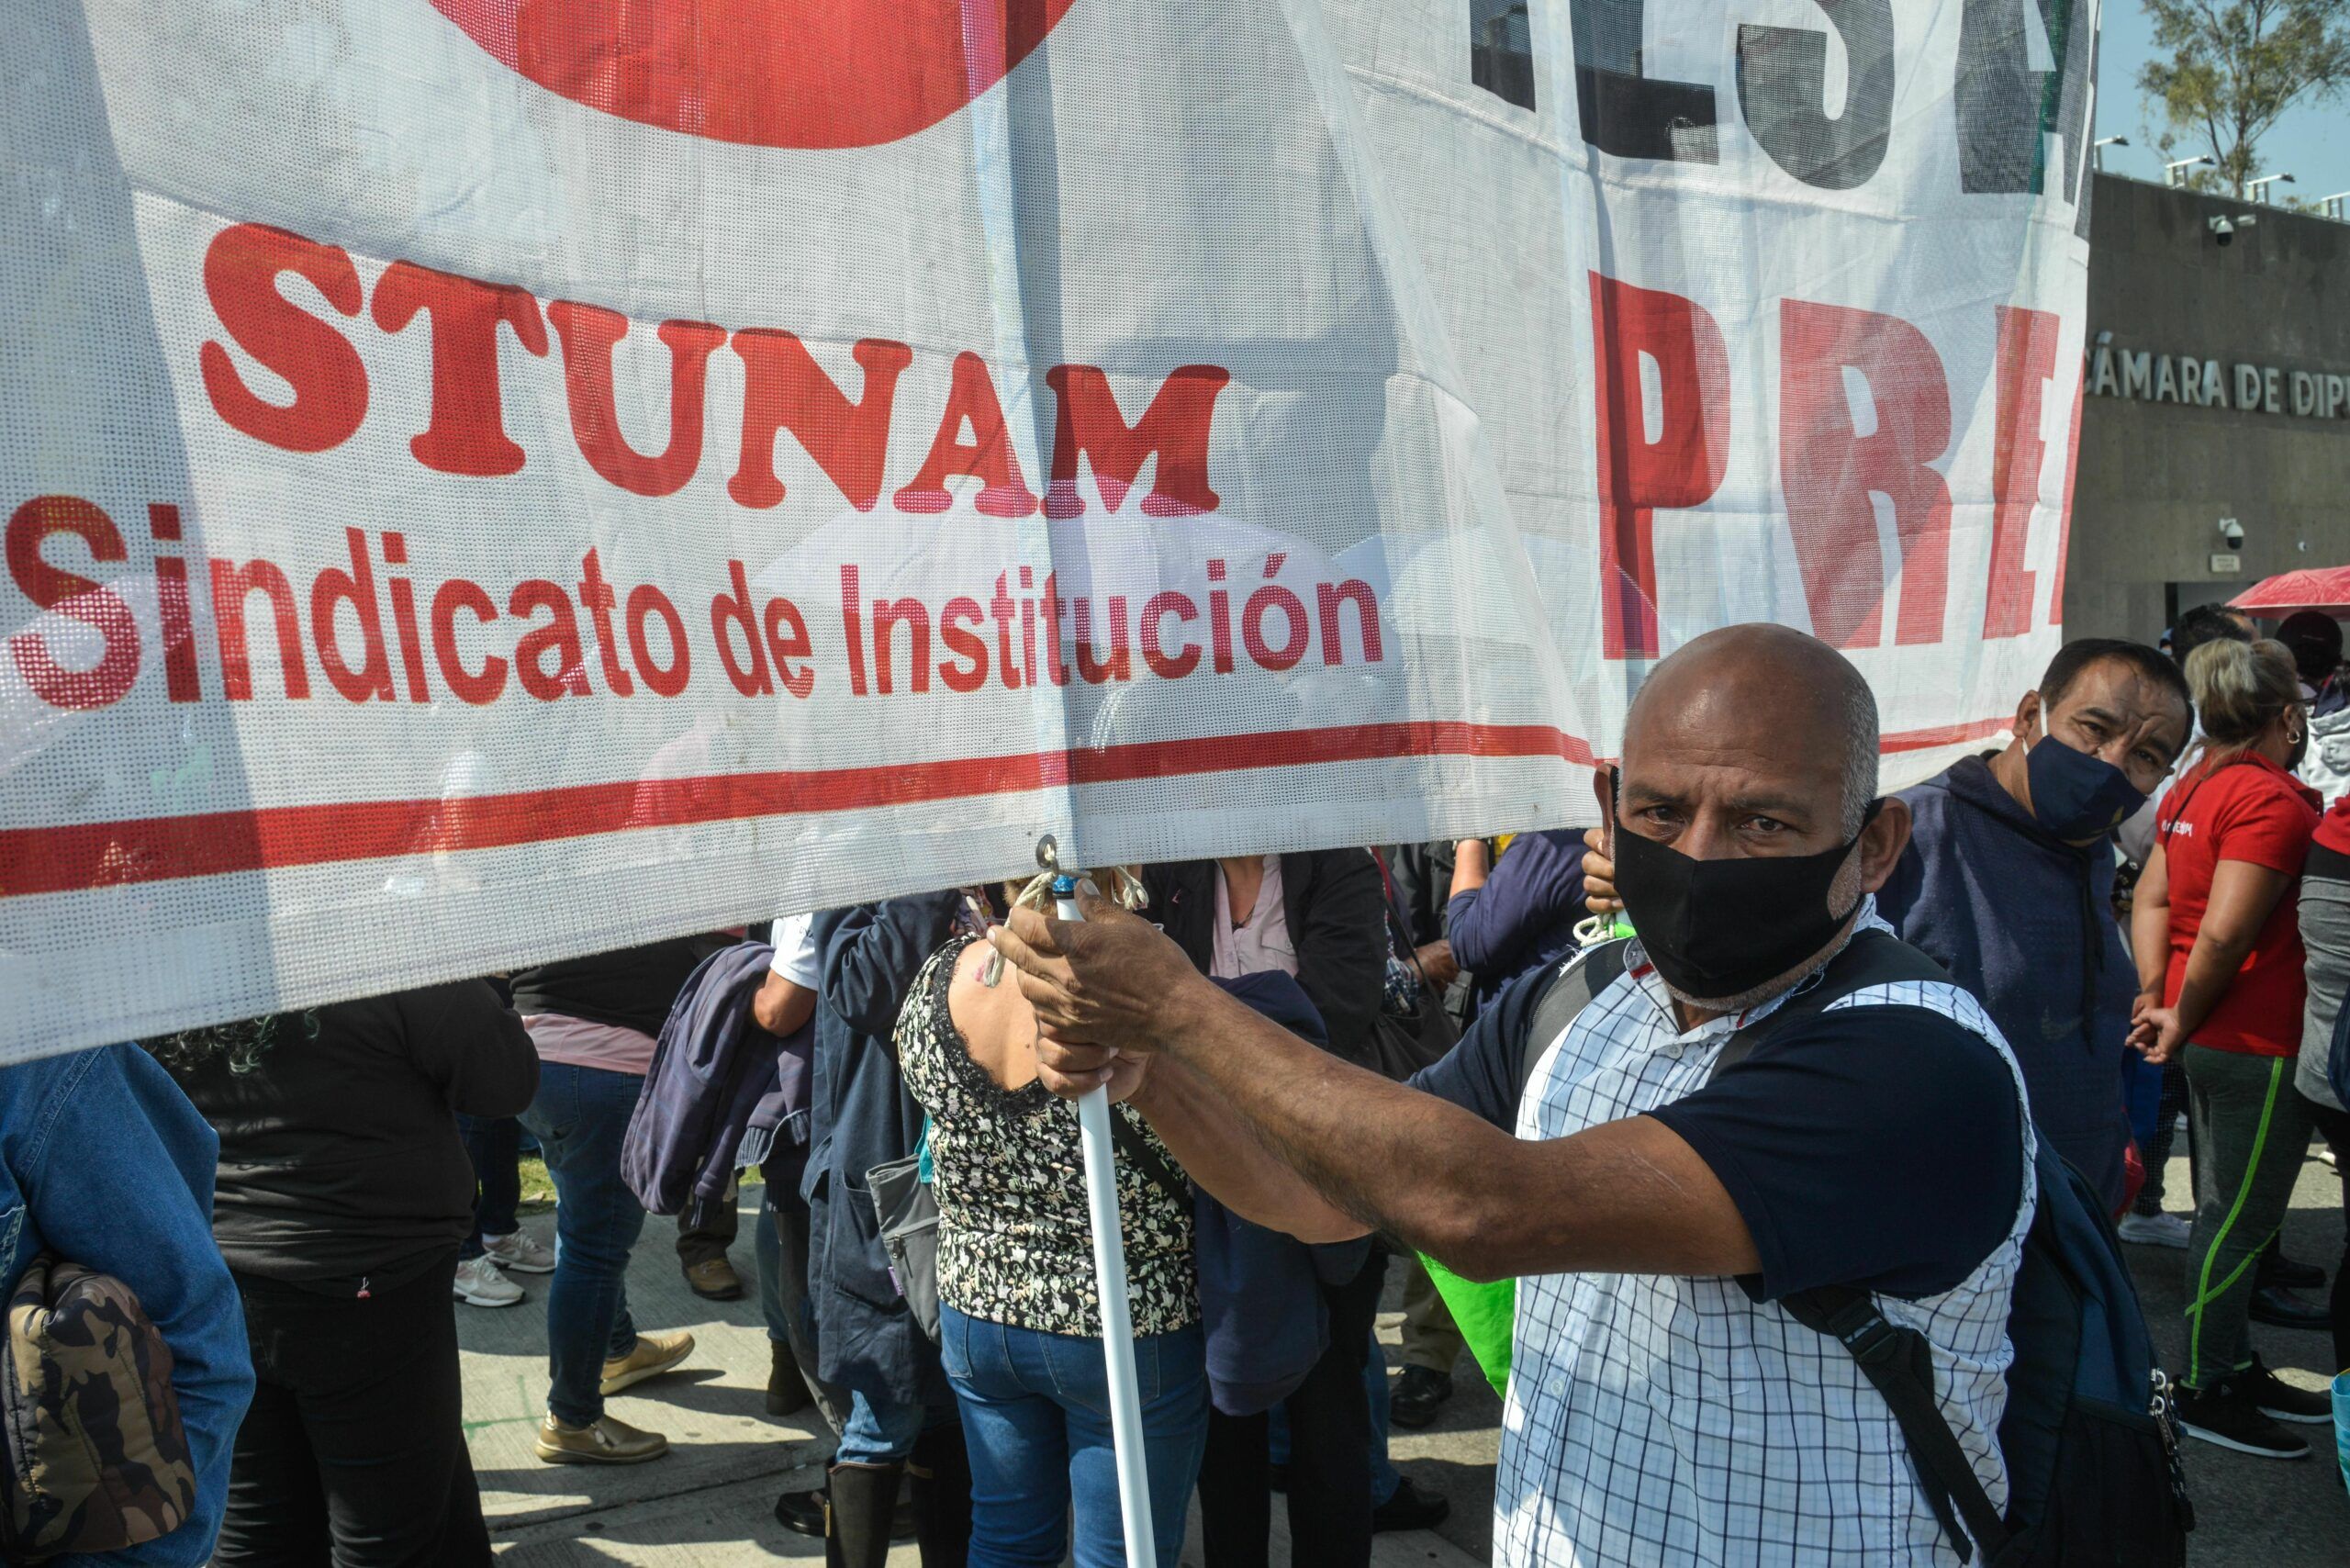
(2162, 1408)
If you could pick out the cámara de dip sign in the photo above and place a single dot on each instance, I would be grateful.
(2152, 377)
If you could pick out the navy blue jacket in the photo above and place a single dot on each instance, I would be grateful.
(1525, 915)
(2025, 922)
(711, 1071)
(866, 1340)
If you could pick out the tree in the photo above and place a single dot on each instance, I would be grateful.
(2225, 74)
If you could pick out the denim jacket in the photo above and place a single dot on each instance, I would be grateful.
(104, 1162)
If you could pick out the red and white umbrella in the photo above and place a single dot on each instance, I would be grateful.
(2316, 588)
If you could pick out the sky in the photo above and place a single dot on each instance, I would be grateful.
(2310, 143)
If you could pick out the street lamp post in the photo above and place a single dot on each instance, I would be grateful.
(2259, 189)
(2171, 170)
(2097, 150)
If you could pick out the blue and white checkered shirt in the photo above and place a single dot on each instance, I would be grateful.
(1658, 1419)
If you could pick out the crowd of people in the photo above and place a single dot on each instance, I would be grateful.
(2134, 915)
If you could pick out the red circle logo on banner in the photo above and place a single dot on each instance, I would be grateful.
(765, 73)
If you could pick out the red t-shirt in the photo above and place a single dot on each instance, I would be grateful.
(2251, 810)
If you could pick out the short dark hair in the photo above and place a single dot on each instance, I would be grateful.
(2206, 623)
(2082, 652)
(2314, 639)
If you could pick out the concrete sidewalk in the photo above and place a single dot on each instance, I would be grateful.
(711, 1500)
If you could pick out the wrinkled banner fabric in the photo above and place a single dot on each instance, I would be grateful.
(486, 480)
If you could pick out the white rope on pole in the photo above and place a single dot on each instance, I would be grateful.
(1117, 1320)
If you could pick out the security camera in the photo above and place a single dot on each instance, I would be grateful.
(2231, 532)
(2222, 229)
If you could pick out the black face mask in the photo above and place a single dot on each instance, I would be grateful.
(1718, 928)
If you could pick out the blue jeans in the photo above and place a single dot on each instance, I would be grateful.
(493, 1144)
(579, 1117)
(766, 1253)
(1037, 1410)
(881, 1432)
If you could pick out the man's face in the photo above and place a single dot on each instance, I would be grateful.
(1729, 767)
(2114, 713)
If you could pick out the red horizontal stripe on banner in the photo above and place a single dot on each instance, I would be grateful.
(152, 849)
(1947, 735)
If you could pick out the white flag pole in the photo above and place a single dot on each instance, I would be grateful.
(1109, 1273)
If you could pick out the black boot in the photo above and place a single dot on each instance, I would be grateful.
(941, 1473)
(862, 1495)
(787, 1390)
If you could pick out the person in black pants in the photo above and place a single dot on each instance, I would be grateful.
(1323, 918)
(1330, 1434)
(342, 1195)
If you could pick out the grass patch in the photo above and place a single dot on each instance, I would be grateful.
(538, 1187)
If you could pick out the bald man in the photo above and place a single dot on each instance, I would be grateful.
(1658, 1206)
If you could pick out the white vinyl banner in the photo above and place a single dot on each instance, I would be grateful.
(486, 480)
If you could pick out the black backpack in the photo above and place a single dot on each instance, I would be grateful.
(2094, 1478)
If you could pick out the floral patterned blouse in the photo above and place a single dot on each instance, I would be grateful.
(1013, 1241)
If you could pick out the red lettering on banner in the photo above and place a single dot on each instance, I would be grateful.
(958, 625)
(888, 614)
(589, 335)
(730, 613)
(2027, 361)
(1175, 428)
(1165, 666)
(987, 456)
(1270, 600)
(467, 431)
(787, 641)
(1357, 592)
(240, 271)
(1092, 667)
(2064, 530)
(1682, 466)
(644, 604)
(77, 597)
(559, 636)
(355, 587)
(403, 597)
(181, 682)
(1829, 470)
(459, 594)
(231, 585)
(785, 390)
(595, 595)
(852, 621)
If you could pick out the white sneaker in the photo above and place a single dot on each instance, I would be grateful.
(2153, 1230)
(479, 1283)
(519, 1253)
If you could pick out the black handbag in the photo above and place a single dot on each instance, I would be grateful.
(1413, 1029)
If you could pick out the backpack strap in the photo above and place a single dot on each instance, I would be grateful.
(1144, 1159)
(1900, 1366)
(1570, 991)
(1897, 1361)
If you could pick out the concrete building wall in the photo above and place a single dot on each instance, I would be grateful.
(2156, 476)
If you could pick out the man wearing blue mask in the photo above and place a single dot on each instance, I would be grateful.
(2009, 881)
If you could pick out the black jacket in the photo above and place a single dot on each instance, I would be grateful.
(341, 1167)
(630, 987)
(1337, 922)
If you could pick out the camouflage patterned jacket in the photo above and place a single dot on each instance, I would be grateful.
(104, 1161)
